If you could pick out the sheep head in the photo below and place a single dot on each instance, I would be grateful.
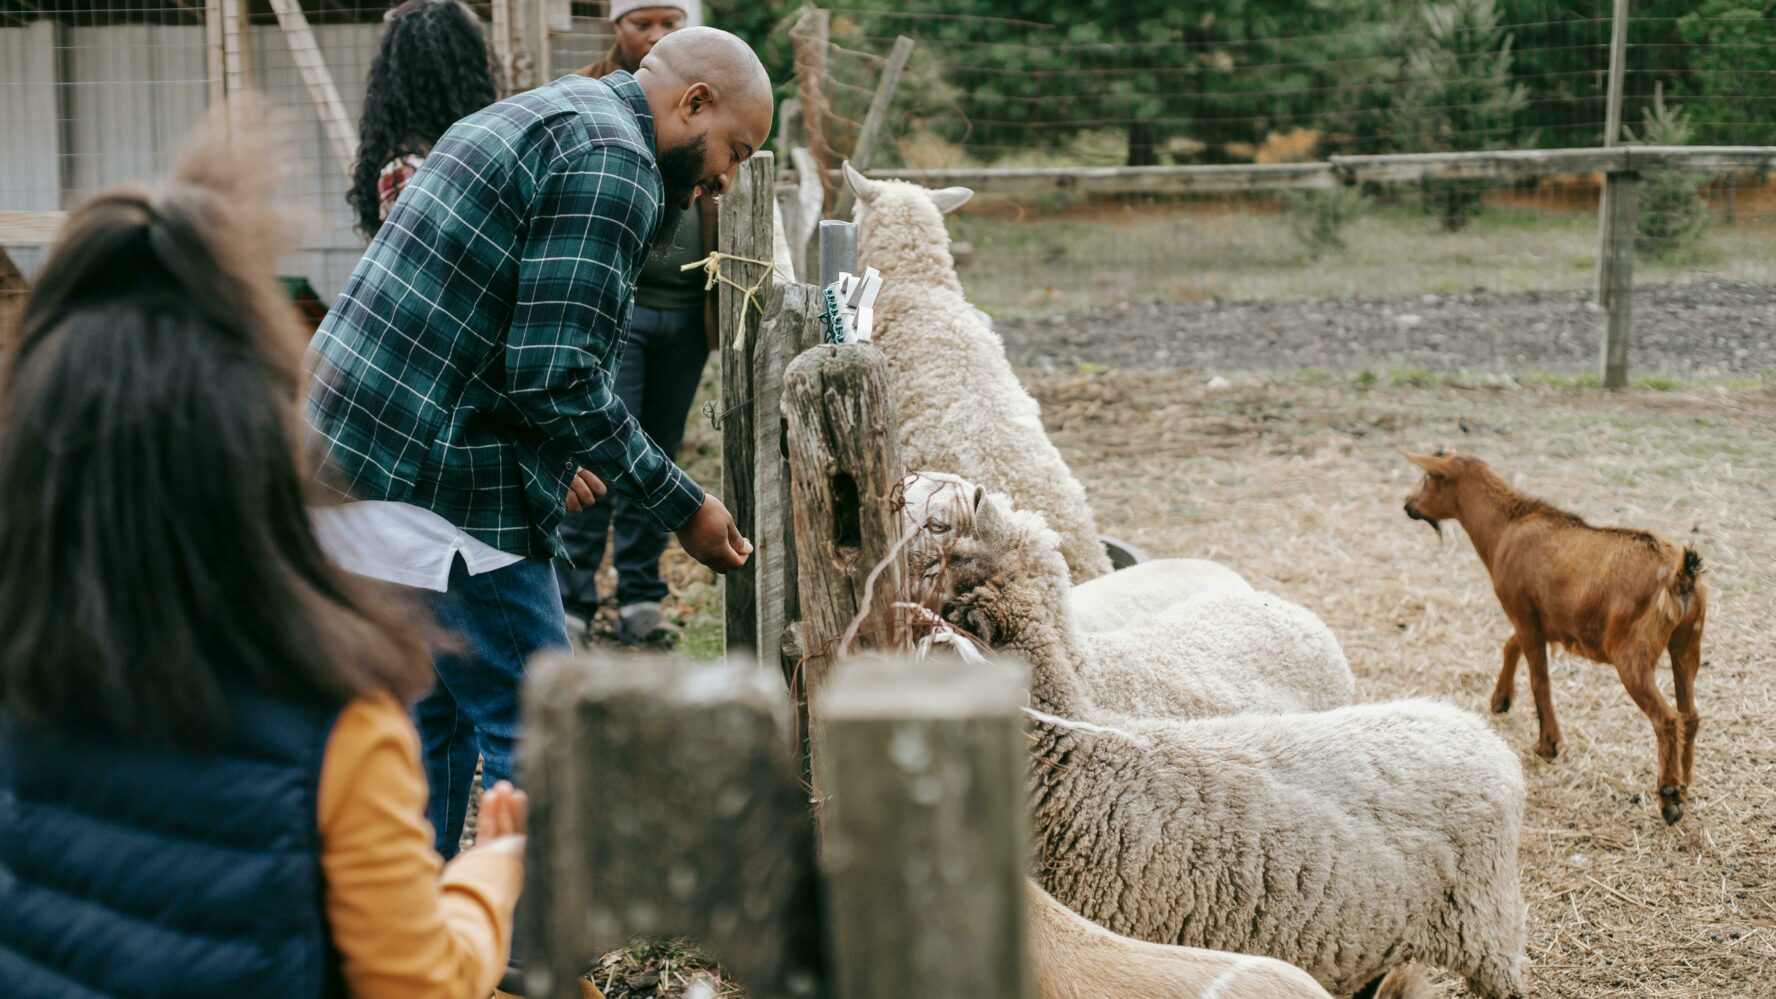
(945, 200)
(935, 508)
(1002, 569)
(900, 230)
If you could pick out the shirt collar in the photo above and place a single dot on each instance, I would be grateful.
(629, 89)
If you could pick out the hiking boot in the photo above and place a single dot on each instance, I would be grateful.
(641, 624)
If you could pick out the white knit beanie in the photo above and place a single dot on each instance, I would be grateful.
(693, 9)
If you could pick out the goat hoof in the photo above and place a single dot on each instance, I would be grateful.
(1547, 749)
(1672, 806)
(1500, 705)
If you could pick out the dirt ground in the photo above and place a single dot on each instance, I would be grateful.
(1701, 329)
(1297, 482)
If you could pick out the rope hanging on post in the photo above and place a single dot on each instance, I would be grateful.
(711, 266)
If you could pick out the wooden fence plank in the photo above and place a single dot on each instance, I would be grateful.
(926, 844)
(877, 115)
(342, 132)
(1618, 275)
(1116, 180)
(664, 802)
(30, 228)
(1708, 159)
(745, 231)
(1505, 164)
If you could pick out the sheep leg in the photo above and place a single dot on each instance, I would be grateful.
(1686, 658)
(1637, 677)
(1507, 681)
(1536, 652)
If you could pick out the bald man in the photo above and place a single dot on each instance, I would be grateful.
(461, 400)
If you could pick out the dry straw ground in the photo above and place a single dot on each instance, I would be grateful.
(1298, 484)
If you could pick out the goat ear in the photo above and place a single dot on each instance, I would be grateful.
(951, 198)
(1430, 463)
(980, 496)
(865, 188)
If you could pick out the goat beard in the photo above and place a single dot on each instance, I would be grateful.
(1436, 525)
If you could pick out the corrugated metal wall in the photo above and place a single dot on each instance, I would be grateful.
(136, 90)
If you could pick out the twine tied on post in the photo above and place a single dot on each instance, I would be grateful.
(711, 266)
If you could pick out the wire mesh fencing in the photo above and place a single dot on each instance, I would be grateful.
(1462, 76)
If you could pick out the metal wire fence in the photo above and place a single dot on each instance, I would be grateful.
(1455, 77)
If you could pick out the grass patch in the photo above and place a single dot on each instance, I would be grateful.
(1040, 259)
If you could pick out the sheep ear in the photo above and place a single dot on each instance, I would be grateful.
(951, 198)
(865, 188)
(989, 517)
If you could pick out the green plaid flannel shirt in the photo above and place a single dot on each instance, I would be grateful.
(467, 365)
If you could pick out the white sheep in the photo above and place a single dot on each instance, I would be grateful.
(1132, 596)
(1074, 958)
(936, 503)
(1218, 653)
(961, 407)
(1346, 842)
(1223, 650)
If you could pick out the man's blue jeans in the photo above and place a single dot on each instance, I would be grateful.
(499, 620)
(657, 381)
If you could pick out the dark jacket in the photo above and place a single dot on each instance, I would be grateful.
(131, 870)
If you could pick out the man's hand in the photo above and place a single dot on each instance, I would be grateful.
(585, 490)
(712, 538)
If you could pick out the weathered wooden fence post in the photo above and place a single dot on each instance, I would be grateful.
(877, 115)
(1620, 203)
(745, 231)
(792, 327)
(1615, 251)
(665, 802)
(844, 461)
(926, 843)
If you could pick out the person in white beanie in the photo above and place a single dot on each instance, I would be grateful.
(639, 24)
(668, 343)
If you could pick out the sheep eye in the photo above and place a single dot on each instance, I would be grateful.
(937, 526)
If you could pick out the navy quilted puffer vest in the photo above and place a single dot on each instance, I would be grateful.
(129, 870)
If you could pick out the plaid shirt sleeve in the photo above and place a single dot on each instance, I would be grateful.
(587, 237)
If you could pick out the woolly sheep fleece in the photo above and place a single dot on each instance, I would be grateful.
(1075, 958)
(1347, 842)
(1217, 654)
(1132, 596)
(961, 407)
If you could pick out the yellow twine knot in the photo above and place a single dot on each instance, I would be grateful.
(711, 266)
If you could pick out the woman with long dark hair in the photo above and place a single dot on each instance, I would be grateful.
(433, 67)
(209, 785)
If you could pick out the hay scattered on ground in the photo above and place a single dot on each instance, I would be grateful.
(1298, 483)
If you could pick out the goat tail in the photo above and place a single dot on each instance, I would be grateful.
(1404, 982)
(1688, 574)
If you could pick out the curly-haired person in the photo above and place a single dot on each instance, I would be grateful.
(432, 68)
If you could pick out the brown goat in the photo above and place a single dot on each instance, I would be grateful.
(1613, 595)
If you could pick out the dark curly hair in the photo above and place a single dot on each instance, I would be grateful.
(432, 68)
